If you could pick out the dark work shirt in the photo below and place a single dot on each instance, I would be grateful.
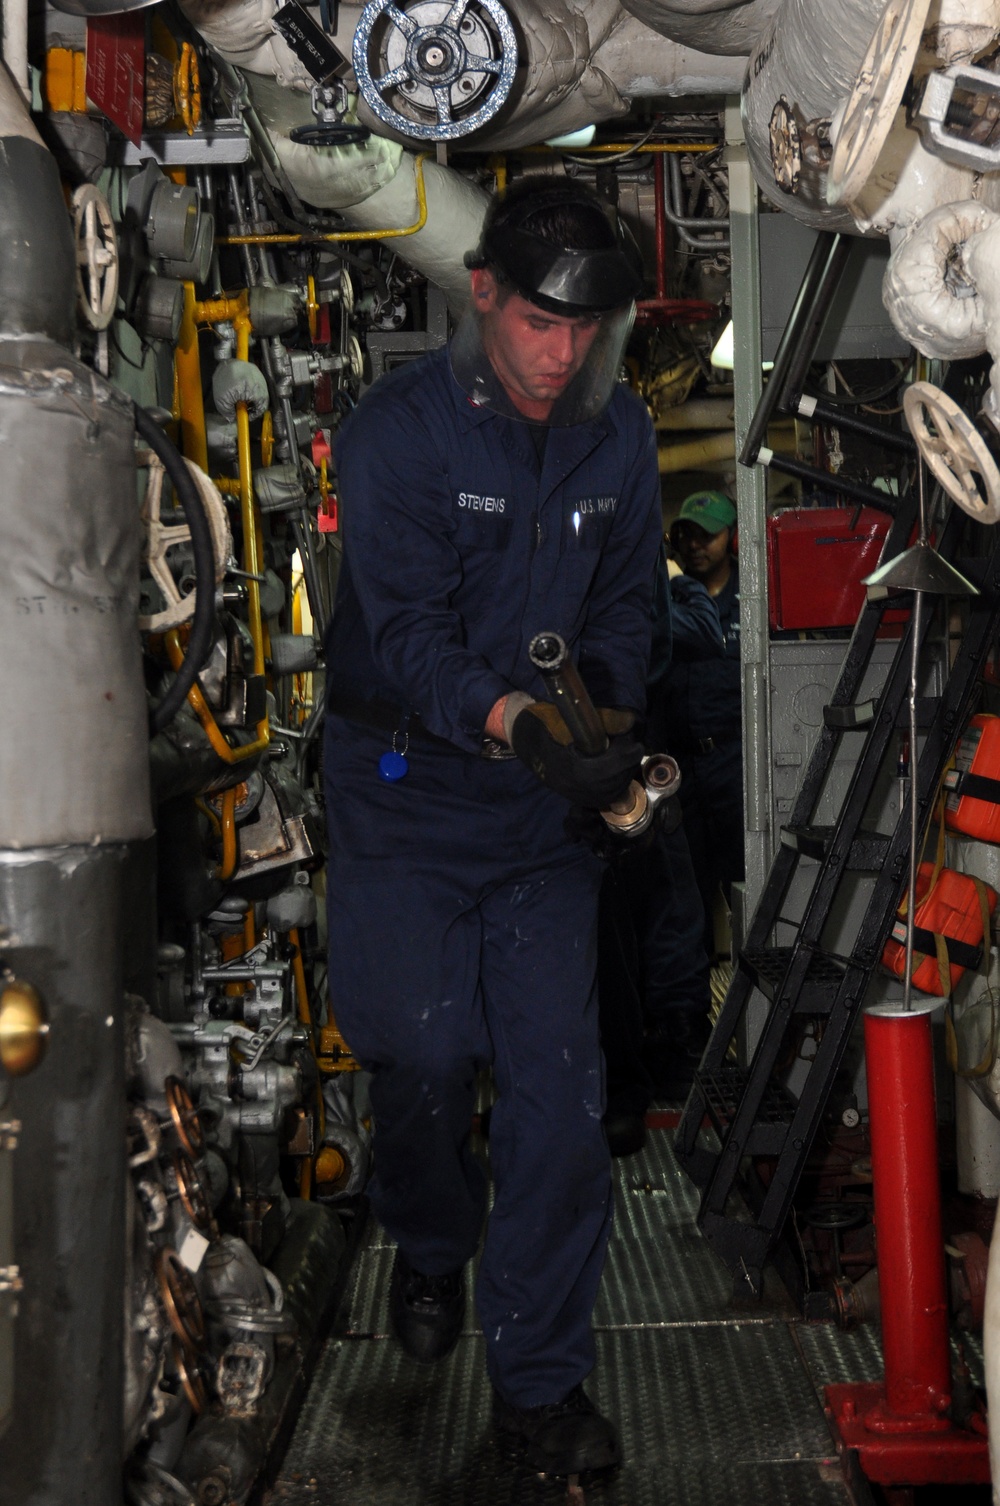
(702, 697)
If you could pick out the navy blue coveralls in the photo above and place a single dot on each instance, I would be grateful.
(701, 704)
(462, 917)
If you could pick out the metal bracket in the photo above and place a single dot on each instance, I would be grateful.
(965, 131)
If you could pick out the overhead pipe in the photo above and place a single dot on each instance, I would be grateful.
(684, 225)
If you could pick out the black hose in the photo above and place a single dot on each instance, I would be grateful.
(203, 623)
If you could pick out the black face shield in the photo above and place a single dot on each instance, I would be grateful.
(560, 280)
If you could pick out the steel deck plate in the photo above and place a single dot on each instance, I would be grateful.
(378, 1428)
(716, 1407)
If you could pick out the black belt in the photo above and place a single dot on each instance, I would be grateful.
(383, 716)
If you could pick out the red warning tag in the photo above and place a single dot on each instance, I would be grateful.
(327, 518)
(116, 69)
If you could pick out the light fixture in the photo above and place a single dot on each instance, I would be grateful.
(573, 140)
(722, 351)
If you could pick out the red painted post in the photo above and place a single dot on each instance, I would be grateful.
(660, 221)
(909, 1240)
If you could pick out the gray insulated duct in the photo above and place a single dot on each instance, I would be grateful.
(73, 815)
(803, 67)
(727, 26)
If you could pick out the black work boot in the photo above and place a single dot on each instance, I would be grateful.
(426, 1311)
(564, 1438)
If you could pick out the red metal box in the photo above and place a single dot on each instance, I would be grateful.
(817, 558)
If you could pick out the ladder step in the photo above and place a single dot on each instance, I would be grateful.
(822, 981)
(868, 848)
(861, 714)
(846, 718)
(722, 1091)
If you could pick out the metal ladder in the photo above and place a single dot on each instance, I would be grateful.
(754, 1115)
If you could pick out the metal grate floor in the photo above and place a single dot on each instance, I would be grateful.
(716, 1406)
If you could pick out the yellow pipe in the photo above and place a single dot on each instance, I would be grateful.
(305, 1178)
(227, 822)
(251, 555)
(189, 405)
(234, 311)
(299, 972)
(345, 235)
(633, 146)
(203, 711)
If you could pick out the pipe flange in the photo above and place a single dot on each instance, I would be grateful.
(448, 64)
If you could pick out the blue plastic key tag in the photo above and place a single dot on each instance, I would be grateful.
(394, 765)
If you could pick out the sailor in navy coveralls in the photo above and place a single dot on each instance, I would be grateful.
(493, 490)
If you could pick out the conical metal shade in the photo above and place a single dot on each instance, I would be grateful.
(921, 568)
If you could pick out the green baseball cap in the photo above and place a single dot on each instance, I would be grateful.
(712, 511)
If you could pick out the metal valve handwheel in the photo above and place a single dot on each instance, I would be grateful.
(187, 88)
(955, 451)
(329, 105)
(190, 1376)
(160, 539)
(448, 65)
(191, 1191)
(180, 1300)
(184, 1117)
(875, 98)
(786, 147)
(96, 256)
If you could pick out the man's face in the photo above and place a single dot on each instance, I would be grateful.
(535, 354)
(700, 552)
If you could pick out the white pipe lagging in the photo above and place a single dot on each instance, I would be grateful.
(15, 44)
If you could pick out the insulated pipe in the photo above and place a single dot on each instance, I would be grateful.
(38, 265)
(977, 1143)
(900, 1065)
(74, 820)
(15, 44)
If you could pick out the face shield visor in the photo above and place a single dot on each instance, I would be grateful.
(554, 336)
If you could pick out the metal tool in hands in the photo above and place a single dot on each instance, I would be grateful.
(661, 777)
